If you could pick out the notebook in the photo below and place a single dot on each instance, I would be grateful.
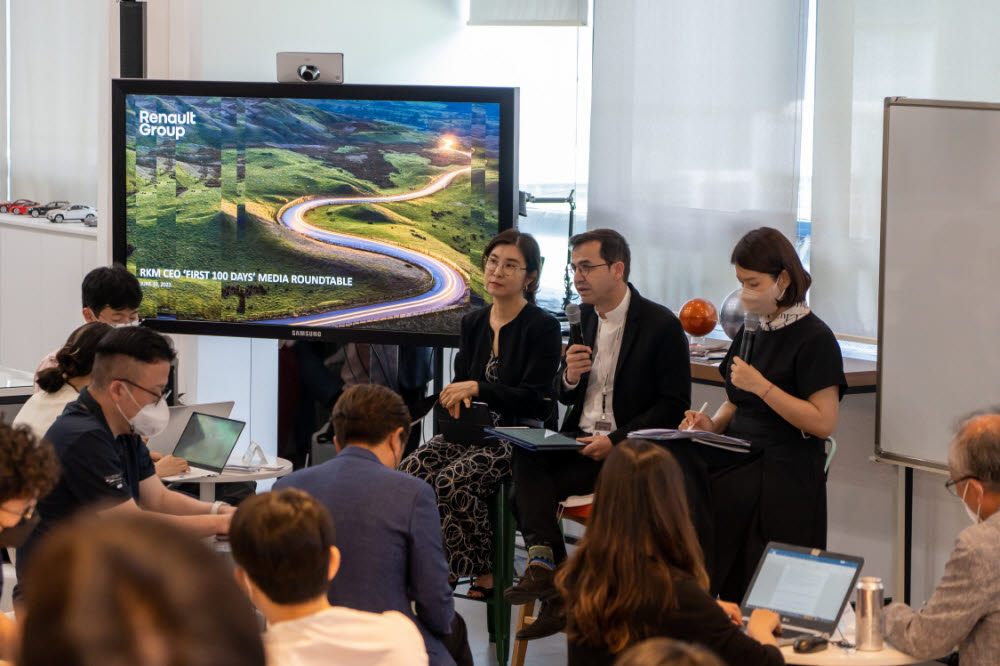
(537, 439)
(206, 443)
(469, 427)
(807, 587)
(179, 414)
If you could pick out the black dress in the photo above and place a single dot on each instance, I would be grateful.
(778, 491)
(696, 619)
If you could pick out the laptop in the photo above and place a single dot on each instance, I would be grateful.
(166, 441)
(537, 439)
(807, 587)
(206, 443)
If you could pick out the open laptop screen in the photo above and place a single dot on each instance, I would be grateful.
(207, 441)
(799, 583)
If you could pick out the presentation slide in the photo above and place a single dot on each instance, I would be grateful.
(310, 212)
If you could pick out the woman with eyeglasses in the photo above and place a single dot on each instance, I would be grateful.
(784, 398)
(507, 358)
(28, 471)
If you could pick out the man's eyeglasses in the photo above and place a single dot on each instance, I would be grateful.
(158, 396)
(582, 269)
(950, 485)
(28, 512)
(507, 269)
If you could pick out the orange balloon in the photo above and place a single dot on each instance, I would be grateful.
(699, 317)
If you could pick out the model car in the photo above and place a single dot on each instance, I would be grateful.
(42, 210)
(73, 212)
(18, 207)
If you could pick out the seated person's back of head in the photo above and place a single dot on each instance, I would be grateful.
(61, 383)
(666, 652)
(638, 571)
(132, 589)
(283, 545)
(392, 551)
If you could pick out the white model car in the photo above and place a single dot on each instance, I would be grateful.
(88, 214)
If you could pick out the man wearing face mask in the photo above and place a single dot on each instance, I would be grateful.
(388, 526)
(964, 609)
(784, 399)
(28, 470)
(98, 439)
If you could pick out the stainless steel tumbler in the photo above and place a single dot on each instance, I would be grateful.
(871, 619)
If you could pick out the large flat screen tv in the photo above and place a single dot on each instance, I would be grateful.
(278, 210)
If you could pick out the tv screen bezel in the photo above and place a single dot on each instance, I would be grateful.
(506, 98)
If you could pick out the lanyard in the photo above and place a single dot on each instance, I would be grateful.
(609, 369)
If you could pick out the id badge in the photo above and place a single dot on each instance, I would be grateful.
(602, 427)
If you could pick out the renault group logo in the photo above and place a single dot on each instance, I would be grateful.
(307, 334)
(165, 124)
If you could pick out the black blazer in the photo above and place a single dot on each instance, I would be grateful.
(530, 347)
(653, 374)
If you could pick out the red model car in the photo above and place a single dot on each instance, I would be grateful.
(19, 207)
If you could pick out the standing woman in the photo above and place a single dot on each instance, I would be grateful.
(508, 357)
(784, 400)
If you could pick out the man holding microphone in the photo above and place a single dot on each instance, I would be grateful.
(632, 371)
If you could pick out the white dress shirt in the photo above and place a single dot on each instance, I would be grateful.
(601, 385)
(346, 637)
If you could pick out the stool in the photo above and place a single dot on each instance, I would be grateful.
(575, 508)
(497, 607)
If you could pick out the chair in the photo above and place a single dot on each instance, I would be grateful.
(497, 607)
(831, 450)
(575, 508)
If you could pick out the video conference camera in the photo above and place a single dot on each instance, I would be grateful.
(296, 67)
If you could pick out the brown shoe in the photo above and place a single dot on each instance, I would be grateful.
(538, 582)
(551, 620)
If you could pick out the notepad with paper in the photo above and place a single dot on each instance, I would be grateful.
(699, 436)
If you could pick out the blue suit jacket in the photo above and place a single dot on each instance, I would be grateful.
(389, 535)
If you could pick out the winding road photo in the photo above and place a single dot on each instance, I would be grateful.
(449, 286)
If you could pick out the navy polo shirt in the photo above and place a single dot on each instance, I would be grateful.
(96, 467)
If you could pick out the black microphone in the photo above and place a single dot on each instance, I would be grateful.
(751, 322)
(575, 329)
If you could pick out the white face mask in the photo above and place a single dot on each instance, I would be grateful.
(762, 302)
(973, 517)
(125, 324)
(151, 419)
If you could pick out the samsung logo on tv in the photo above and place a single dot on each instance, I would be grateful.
(165, 124)
(307, 334)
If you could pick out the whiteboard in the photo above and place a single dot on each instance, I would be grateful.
(939, 278)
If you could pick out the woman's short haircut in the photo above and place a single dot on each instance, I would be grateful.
(667, 652)
(282, 540)
(110, 287)
(528, 246)
(28, 466)
(121, 346)
(76, 358)
(368, 413)
(132, 589)
(766, 250)
(614, 247)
